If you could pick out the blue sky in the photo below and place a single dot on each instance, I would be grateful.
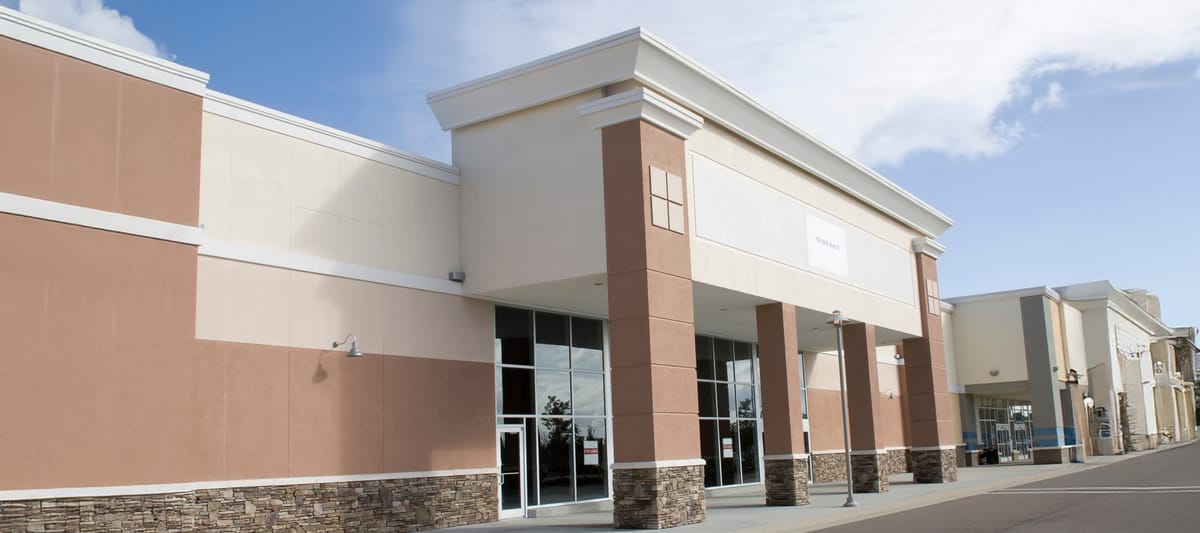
(1062, 138)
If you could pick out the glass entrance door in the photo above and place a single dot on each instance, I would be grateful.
(510, 450)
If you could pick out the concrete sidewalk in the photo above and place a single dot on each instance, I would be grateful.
(742, 508)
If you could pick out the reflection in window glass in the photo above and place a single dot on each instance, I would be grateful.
(723, 351)
(587, 344)
(591, 459)
(555, 450)
(553, 341)
(556, 388)
(587, 394)
(743, 366)
(729, 425)
(745, 401)
(553, 392)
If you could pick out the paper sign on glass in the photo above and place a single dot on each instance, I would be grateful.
(591, 452)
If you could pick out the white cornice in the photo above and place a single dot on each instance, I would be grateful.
(641, 104)
(1117, 300)
(927, 246)
(637, 55)
(1016, 293)
(86, 48)
(87, 217)
(264, 117)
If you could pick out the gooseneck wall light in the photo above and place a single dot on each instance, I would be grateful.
(354, 351)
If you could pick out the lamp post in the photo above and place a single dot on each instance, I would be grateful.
(838, 319)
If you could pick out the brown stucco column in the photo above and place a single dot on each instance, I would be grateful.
(867, 456)
(933, 456)
(784, 456)
(658, 474)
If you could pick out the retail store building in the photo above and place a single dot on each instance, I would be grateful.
(1056, 375)
(618, 291)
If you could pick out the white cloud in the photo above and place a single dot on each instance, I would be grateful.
(1052, 99)
(93, 18)
(876, 79)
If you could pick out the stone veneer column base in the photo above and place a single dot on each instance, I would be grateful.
(1051, 456)
(870, 471)
(658, 498)
(787, 481)
(385, 505)
(934, 465)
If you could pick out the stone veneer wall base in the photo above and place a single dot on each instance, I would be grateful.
(379, 505)
(896, 461)
(658, 498)
(870, 472)
(787, 482)
(934, 466)
(829, 467)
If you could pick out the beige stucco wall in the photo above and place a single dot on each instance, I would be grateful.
(952, 381)
(726, 266)
(244, 302)
(262, 188)
(988, 335)
(532, 197)
(1073, 339)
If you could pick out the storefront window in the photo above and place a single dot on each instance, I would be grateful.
(726, 390)
(551, 379)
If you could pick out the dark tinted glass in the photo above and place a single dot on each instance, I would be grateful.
(554, 449)
(514, 335)
(748, 439)
(517, 391)
(553, 341)
(723, 351)
(745, 401)
(729, 453)
(704, 358)
(744, 365)
(705, 396)
(724, 399)
(710, 449)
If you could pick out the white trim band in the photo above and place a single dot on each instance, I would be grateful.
(163, 488)
(230, 107)
(869, 452)
(785, 456)
(306, 263)
(98, 52)
(658, 464)
(28, 206)
(932, 448)
(641, 104)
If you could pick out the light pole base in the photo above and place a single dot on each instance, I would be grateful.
(850, 502)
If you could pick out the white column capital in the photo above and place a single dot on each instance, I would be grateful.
(927, 246)
(642, 104)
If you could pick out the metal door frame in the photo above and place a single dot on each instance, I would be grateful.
(501, 430)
